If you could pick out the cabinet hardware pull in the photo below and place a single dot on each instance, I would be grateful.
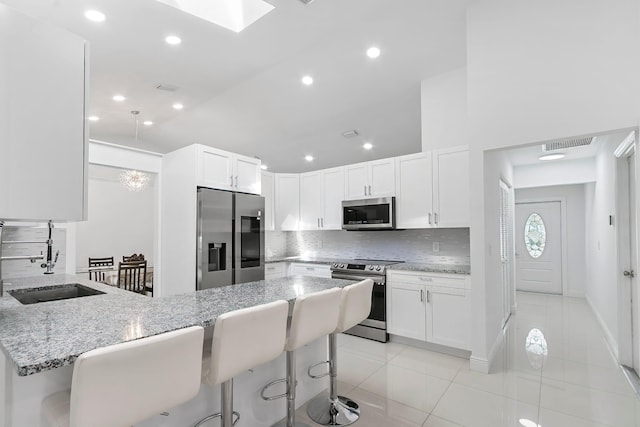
(435, 218)
(426, 279)
(236, 181)
(421, 295)
(321, 222)
(365, 190)
(428, 296)
(318, 222)
(310, 268)
(429, 218)
(369, 190)
(231, 179)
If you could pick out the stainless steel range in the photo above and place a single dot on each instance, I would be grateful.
(375, 326)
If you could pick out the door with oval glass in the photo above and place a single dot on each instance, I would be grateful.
(538, 247)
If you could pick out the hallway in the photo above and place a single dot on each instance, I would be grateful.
(578, 382)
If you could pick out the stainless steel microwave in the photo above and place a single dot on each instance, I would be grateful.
(369, 214)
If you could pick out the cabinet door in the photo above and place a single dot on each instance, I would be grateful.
(310, 200)
(357, 181)
(215, 168)
(43, 145)
(414, 191)
(333, 189)
(382, 178)
(267, 186)
(247, 174)
(406, 310)
(287, 205)
(451, 187)
(448, 317)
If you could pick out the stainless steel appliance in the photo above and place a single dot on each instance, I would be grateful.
(230, 234)
(375, 326)
(369, 214)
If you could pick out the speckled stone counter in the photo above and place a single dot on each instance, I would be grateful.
(309, 260)
(48, 335)
(432, 268)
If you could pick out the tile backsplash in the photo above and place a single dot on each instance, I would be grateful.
(40, 233)
(432, 245)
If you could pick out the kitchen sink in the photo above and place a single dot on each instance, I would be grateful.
(53, 293)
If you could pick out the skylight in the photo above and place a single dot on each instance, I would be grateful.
(235, 15)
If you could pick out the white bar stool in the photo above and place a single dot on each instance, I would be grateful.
(314, 315)
(243, 339)
(123, 384)
(334, 410)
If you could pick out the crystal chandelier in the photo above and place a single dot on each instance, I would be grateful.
(134, 180)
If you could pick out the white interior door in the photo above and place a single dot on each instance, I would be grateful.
(538, 236)
(633, 248)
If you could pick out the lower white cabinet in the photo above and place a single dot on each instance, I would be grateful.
(431, 307)
(308, 269)
(275, 270)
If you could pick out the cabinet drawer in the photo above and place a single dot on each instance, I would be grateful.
(316, 270)
(430, 279)
(276, 269)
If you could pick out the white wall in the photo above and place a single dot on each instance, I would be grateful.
(601, 249)
(574, 197)
(536, 71)
(120, 222)
(576, 171)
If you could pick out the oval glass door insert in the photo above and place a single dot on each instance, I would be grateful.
(535, 235)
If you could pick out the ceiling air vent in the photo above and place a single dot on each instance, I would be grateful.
(567, 143)
(166, 87)
(350, 133)
(306, 1)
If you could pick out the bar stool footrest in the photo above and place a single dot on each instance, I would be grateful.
(216, 415)
(315, 377)
(341, 412)
(272, 383)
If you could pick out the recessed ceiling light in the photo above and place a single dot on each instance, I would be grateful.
(308, 80)
(178, 106)
(264, 167)
(173, 40)
(555, 156)
(147, 123)
(367, 146)
(95, 15)
(373, 52)
(93, 118)
(308, 158)
(118, 98)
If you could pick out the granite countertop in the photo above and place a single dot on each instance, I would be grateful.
(309, 260)
(432, 268)
(48, 335)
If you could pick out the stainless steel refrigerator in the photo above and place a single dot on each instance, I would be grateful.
(230, 238)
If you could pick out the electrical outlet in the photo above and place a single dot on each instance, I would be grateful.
(436, 246)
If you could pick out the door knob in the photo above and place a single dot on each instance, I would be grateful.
(629, 273)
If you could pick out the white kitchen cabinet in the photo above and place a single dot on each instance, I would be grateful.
(43, 133)
(287, 201)
(433, 189)
(321, 196)
(370, 179)
(309, 269)
(431, 307)
(228, 171)
(268, 192)
(275, 270)
(451, 187)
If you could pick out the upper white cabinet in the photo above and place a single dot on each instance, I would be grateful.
(287, 201)
(268, 192)
(43, 139)
(321, 195)
(370, 179)
(451, 187)
(228, 171)
(433, 189)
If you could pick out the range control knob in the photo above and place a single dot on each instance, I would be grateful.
(371, 267)
(341, 265)
(377, 268)
(335, 265)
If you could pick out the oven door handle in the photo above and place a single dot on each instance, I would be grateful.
(377, 280)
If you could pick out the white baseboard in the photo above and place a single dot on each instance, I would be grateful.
(613, 343)
(483, 365)
(430, 346)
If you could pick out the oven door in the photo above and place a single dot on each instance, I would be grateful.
(378, 315)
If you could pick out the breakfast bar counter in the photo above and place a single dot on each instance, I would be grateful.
(39, 337)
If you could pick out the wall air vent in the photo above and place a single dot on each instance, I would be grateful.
(563, 144)
(350, 133)
(166, 87)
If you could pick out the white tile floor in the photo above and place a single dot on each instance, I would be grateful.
(578, 383)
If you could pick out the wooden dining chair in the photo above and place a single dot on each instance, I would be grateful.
(132, 276)
(134, 257)
(99, 262)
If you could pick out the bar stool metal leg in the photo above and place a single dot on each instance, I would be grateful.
(333, 410)
(226, 407)
(290, 421)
